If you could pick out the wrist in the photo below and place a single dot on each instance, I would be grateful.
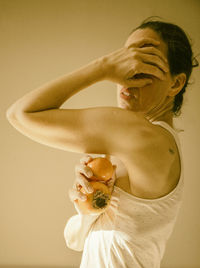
(98, 68)
(103, 67)
(104, 62)
(108, 66)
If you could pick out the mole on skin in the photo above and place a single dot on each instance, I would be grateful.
(171, 151)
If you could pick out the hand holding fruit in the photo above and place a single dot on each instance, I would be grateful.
(99, 174)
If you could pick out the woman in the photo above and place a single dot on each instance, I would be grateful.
(151, 72)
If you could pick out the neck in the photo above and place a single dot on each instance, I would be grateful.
(164, 113)
(168, 119)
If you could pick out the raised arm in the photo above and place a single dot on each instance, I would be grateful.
(99, 130)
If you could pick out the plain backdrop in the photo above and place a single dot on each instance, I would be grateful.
(39, 41)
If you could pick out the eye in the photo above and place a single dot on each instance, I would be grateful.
(148, 45)
(142, 75)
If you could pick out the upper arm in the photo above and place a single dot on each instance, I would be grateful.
(98, 130)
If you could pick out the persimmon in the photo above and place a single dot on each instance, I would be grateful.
(99, 199)
(102, 169)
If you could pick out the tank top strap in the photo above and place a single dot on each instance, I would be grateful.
(170, 129)
(177, 140)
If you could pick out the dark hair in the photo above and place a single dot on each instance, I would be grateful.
(180, 55)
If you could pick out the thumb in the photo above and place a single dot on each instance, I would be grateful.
(111, 181)
(114, 172)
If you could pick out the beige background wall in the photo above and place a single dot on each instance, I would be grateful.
(41, 40)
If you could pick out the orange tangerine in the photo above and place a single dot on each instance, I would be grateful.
(102, 169)
(97, 201)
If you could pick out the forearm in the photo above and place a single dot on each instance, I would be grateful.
(54, 93)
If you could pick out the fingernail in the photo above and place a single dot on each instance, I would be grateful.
(89, 174)
(90, 189)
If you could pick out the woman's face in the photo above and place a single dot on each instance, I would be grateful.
(150, 98)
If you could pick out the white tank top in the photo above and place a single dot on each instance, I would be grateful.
(132, 232)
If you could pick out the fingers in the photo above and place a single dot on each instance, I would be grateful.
(153, 51)
(149, 60)
(75, 195)
(149, 69)
(157, 61)
(107, 156)
(143, 74)
(84, 169)
(114, 172)
(136, 82)
(81, 181)
(144, 41)
(85, 159)
(82, 172)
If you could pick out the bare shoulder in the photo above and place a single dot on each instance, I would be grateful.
(153, 166)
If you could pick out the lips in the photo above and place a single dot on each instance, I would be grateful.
(132, 91)
(125, 90)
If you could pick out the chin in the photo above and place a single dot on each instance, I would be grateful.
(125, 106)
